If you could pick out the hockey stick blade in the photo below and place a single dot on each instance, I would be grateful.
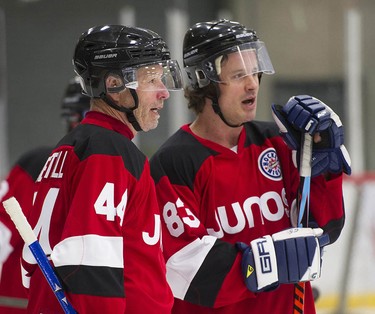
(14, 210)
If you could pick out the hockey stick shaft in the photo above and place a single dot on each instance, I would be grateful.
(14, 210)
(303, 203)
(305, 177)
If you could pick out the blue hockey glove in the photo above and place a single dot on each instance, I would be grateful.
(306, 114)
(289, 256)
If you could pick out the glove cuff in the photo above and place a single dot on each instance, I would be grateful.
(265, 261)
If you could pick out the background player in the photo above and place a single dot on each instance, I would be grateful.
(20, 184)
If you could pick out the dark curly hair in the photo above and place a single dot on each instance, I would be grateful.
(197, 96)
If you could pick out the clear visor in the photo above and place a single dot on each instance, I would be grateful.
(238, 62)
(154, 77)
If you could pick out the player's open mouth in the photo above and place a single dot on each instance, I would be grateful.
(156, 110)
(248, 101)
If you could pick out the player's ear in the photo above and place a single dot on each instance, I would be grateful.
(114, 85)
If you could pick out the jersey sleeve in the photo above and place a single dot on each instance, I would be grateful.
(146, 287)
(327, 205)
(19, 183)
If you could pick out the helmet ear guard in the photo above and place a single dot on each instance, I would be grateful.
(115, 89)
(118, 84)
(202, 78)
(197, 77)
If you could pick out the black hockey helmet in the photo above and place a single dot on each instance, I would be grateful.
(74, 104)
(119, 50)
(205, 42)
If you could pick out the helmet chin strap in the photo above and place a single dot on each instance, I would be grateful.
(217, 110)
(128, 111)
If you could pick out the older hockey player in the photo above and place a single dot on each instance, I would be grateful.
(96, 211)
(20, 183)
(227, 184)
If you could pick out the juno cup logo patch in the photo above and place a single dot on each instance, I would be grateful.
(269, 164)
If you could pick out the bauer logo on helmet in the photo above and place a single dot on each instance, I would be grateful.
(106, 56)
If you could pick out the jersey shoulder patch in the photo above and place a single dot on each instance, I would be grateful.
(269, 164)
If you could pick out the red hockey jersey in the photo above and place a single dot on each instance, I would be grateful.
(20, 184)
(96, 216)
(212, 197)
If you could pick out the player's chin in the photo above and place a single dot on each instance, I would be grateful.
(250, 108)
(249, 116)
(150, 125)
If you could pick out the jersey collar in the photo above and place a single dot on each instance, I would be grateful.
(108, 122)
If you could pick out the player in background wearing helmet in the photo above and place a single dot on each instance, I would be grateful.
(227, 184)
(20, 184)
(96, 211)
(75, 104)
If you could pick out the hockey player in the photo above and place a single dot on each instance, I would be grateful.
(20, 184)
(96, 211)
(227, 184)
(75, 104)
